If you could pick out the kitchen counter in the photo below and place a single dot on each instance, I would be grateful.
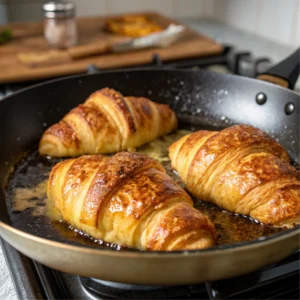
(7, 290)
(223, 34)
(241, 40)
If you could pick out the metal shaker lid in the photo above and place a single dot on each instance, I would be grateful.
(59, 9)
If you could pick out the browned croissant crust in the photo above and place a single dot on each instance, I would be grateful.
(132, 25)
(242, 170)
(128, 199)
(106, 123)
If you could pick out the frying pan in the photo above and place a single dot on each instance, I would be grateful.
(199, 98)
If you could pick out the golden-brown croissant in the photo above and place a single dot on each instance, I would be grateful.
(107, 122)
(242, 170)
(132, 25)
(128, 199)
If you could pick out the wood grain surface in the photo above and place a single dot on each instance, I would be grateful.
(28, 37)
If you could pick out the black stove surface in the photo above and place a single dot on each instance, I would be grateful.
(35, 281)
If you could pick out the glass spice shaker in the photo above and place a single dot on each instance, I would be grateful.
(60, 29)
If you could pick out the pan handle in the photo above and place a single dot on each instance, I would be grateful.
(285, 73)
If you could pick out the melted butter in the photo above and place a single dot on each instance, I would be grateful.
(34, 197)
(230, 227)
(158, 149)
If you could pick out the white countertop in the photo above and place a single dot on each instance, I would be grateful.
(7, 290)
(220, 32)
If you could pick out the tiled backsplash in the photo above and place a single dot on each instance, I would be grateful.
(277, 20)
(3, 12)
(21, 10)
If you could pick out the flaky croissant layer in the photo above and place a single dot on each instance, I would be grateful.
(107, 122)
(242, 170)
(128, 199)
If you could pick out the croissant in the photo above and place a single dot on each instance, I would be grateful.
(127, 199)
(242, 170)
(107, 122)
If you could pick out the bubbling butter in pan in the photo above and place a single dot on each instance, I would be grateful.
(158, 149)
(33, 197)
(36, 199)
(230, 227)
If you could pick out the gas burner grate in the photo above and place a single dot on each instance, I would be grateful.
(201, 62)
(229, 61)
(115, 290)
(279, 281)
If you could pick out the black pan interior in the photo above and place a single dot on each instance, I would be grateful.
(200, 99)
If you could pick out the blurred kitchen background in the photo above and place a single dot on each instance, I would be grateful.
(275, 20)
(265, 28)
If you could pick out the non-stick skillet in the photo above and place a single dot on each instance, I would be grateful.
(200, 98)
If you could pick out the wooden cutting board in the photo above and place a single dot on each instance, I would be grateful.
(28, 37)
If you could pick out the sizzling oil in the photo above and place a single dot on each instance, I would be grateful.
(29, 210)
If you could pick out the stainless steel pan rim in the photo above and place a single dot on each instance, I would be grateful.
(222, 248)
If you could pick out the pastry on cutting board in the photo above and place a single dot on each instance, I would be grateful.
(130, 200)
(240, 169)
(132, 25)
(107, 122)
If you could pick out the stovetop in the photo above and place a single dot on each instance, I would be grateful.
(279, 281)
(230, 61)
(35, 281)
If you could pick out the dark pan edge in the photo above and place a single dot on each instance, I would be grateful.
(151, 69)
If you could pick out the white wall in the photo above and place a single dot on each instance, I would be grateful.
(277, 20)
(3, 12)
(23, 10)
